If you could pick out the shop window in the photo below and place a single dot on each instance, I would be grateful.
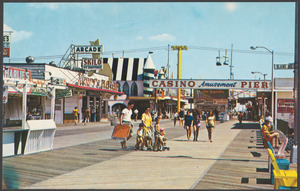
(126, 88)
(134, 89)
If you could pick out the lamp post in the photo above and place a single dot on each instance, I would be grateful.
(272, 80)
(264, 109)
(179, 48)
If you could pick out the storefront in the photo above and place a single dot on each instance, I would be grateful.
(72, 89)
(206, 100)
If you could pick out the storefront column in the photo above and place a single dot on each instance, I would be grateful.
(24, 109)
(52, 91)
(100, 112)
(106, 107)
(43, 107)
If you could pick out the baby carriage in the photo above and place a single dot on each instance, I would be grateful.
(162, 140)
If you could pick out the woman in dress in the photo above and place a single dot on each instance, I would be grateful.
(196, 124)
(210, 124)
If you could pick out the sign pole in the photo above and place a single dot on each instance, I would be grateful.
(179, 77)
(179, 48)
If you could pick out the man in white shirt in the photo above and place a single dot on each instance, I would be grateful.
(126, 119)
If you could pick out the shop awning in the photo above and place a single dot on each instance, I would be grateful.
(95, 89)
(144, 98)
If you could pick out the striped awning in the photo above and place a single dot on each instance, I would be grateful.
(126, 69)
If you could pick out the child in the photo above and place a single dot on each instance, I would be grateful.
(160, 140)
(139, 136)
(158, 137)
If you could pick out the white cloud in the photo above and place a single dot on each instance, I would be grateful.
(162, 37)
(139, 38)
(51, 6)
(54, 6)
(230, 6)
(17, 36)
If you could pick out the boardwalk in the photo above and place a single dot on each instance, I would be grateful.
(235, 160)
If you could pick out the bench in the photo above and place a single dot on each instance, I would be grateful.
(284, 179)
(282, 163)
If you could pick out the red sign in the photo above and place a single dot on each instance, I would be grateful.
(284, 105)
(16, 73)
(6, 52)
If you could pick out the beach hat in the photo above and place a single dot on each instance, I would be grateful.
(269, 119)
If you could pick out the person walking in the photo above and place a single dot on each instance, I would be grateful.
(136, 112)
(240, 118)
(175, 117)
(196, 123)
(210, 124)
(147, 121)
(86, 116)
(94, 114)
(189, 120)
(75, 115)
(181, 117)
(126, 119)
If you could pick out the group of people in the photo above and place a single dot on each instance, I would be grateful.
(86, 115)
(145, 133)
(191, 121)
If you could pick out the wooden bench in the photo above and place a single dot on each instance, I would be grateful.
(282, 163)
(283, 178)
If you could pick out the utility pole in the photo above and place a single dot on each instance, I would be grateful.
(231, 73)
(168, 65)
(179, 48)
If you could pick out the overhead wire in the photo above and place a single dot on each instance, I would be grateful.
(162, 48)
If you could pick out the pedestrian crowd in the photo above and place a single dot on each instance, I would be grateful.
(151, 136)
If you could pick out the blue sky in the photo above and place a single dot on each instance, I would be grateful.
(48, 29)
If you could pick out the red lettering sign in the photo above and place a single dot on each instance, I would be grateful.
(6, 52)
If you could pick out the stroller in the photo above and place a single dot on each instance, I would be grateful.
(162, 141)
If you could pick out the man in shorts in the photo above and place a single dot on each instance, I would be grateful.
(126, 119)
(181, 117)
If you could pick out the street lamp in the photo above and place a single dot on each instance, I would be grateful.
(261, 74)
(272, 88)
(264, 111)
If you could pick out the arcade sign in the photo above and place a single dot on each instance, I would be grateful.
(92, 64)
(211, 84)
(88, 49)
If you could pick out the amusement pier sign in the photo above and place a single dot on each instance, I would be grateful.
(211, 84)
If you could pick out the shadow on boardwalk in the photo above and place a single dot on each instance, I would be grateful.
(252, 125)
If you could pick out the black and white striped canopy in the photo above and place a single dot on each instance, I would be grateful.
(126, 69)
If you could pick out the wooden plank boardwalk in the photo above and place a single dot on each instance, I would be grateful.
(243, 165)
(24, 170)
